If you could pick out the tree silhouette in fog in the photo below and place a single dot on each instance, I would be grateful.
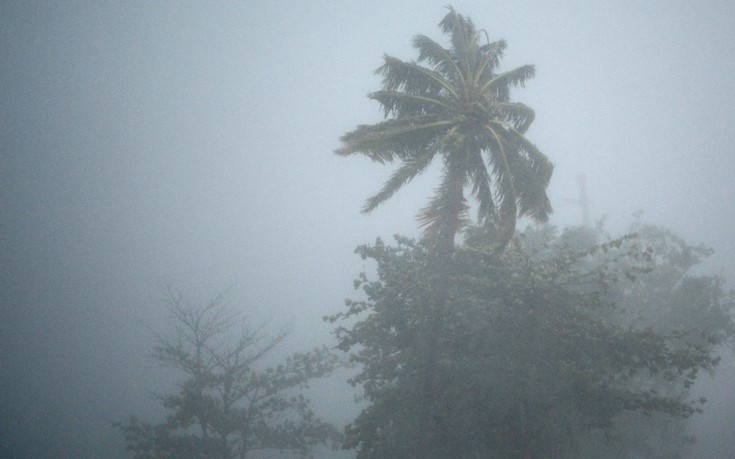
(228, 403)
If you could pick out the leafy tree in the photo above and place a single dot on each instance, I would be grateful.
(530, 363)
(671, 298)
(454, 104)
(227, 406)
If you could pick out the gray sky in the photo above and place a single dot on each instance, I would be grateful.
(147, 144)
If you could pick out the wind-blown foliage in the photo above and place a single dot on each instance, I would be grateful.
(227, 406)
(453, 103)
(533, 360)
(669, 299)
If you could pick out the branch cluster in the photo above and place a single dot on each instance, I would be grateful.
(227, 404)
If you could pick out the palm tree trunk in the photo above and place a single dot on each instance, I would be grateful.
(433, 422)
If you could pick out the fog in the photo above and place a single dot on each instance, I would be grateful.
(148, 146)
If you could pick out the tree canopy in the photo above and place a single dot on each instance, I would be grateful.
(536, 354)
(453, 103)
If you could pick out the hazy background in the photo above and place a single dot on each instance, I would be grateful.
(186, 144)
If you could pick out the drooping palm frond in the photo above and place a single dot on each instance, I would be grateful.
(530, 194)
(489, 60)
(533, 179)
(396, 138)
(493, 52)
(505, 186)
(404, 174)
(500, 84)
(401, 104)
(413, 78)
(482, 191)
(518, 115)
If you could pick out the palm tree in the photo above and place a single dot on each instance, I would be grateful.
(452, 103)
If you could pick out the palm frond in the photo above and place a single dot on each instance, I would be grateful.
(437, 56)
(413, 78)
(518, 115)
(506, 194)
(543, 168)
(481, 189)
(493, 52)
(534, 171)
(412, 166)
(530, 172)
(516, 77)
(404, 174)
(531, 196)
(461, 31)
(401, 104)
(489, 59)
(395, 138)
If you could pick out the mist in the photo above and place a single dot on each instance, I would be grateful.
(149, 147)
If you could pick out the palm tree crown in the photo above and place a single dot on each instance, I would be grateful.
(452, 102)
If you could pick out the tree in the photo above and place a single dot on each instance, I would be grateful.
(670, 298)
(452, 103)
(228, 405)
(530, 361)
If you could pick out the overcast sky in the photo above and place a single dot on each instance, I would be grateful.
(190, 144)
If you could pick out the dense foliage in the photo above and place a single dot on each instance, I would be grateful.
(671, 298)
(228, 405)
(540, 349)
